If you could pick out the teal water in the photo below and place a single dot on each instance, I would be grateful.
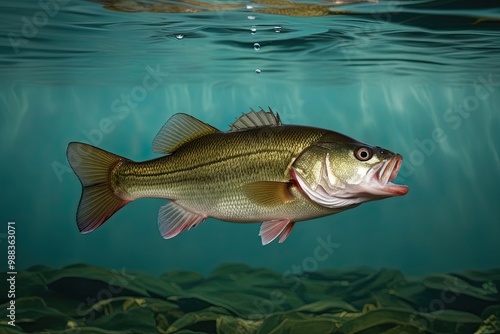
(421, 78)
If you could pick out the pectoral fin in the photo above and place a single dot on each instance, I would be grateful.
(173, 219)
(268, 193)
(270, 230)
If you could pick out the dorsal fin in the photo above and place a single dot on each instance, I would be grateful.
(179, 130)
(255, 119)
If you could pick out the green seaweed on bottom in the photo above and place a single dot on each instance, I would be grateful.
(236, 298)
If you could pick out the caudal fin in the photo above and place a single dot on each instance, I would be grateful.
(93, 167)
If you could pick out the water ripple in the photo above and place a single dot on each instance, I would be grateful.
(83, 40)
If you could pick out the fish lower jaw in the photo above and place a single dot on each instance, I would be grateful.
(396, 189)
(377, 188)
(389, 189)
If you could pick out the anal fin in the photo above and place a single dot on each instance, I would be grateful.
(173, 219)
(271, 229)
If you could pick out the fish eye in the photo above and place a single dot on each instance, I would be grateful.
(363, 154)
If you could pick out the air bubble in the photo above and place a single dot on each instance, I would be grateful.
(251, 17)
(256, 46)
(258, 71)
(249, 7)
(277, 29)
(179, 36)
(253, 30)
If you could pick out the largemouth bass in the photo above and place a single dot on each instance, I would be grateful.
(258, 171)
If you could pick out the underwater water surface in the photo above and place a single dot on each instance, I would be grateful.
(420, 78)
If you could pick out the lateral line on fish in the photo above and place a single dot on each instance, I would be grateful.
(286, 174)
(192, 168)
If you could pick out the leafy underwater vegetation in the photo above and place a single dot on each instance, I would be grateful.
(236, 298)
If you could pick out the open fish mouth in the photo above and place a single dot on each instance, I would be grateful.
(376, 184)
(384, 174)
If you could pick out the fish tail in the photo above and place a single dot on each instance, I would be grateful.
(93, 167)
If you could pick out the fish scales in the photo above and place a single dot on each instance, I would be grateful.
(207, 173)
(260, 170)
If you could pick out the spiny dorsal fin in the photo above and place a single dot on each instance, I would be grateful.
(179, 130)
(268, 193)
(256, 118)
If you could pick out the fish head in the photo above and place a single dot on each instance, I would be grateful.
(345, 174)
